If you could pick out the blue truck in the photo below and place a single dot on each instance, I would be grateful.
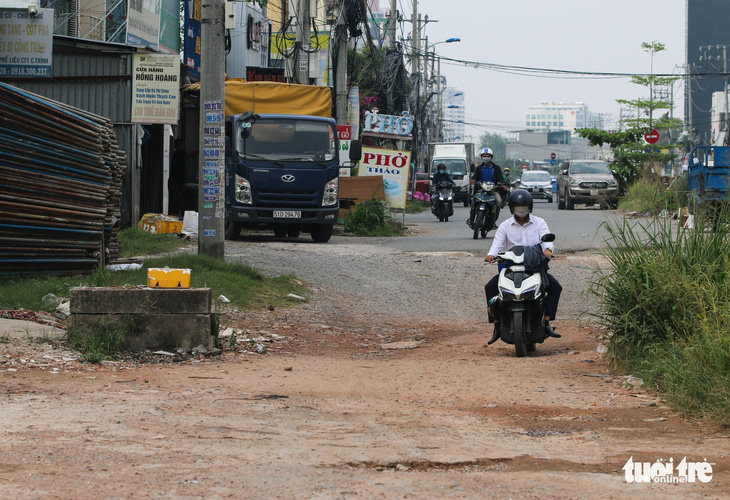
(707, 177)
(282, 160)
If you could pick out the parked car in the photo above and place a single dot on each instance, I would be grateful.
(586, 181)
(538, 184)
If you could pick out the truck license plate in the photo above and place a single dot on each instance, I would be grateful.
(594, 192)
(287, 214)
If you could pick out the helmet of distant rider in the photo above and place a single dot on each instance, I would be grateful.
(486, 152)
(519, 196)
(506, 170)
(441, 168)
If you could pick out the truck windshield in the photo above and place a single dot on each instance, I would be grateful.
(590, 167)
(287, 139)
(454, 167)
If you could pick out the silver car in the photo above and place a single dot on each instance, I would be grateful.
(538, 184)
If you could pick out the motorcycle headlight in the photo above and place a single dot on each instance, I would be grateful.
(505, 295)
(331, 192)
(449, 199)
(242, 190)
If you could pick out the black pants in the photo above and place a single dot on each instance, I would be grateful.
(175, 205)
(549, 303)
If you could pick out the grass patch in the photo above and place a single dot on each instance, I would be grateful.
(417, 207)
(650, 195)
(134, 242)
(99, 345)
(246, 287)
(664, 300)
(371, 218)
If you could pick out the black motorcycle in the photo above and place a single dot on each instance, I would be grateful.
(442, 202)
(484, 206)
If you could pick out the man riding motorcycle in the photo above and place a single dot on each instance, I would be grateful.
(441, 175)
(523, 229)
(488, 172)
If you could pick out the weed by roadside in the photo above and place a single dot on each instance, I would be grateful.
(371, 218)
(664, 300)
(96, 346)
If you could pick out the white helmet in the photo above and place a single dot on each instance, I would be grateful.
(486, 151)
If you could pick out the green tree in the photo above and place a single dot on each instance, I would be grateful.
(633, 156)
(497, 143)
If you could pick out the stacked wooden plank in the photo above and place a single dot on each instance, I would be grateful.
(60, 186)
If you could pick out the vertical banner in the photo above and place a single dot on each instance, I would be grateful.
(143, 23)
(353, 111)
(191, 37)
(170, 27)
(155, 88)
(393, 166)
(344, 134)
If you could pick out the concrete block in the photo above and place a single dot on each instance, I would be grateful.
(100, 300)
(149, 331)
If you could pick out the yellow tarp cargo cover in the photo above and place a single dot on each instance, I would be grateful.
(272, 97)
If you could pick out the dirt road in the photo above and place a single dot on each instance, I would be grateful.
(346, 408)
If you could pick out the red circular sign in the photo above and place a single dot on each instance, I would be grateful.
(652, 137)
(553, 156)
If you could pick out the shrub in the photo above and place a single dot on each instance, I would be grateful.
(664, 300)
(371, 218)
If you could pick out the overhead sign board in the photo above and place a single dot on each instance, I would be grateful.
(26, 43)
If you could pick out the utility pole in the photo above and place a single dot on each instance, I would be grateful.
(416, 36)
(211, 137)
(341, 76)
(393, 23)
(303, 39)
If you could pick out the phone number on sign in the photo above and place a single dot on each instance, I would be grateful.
(25, 71)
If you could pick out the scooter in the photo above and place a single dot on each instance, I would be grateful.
(484, 203)
(519, 305)
(442, 205)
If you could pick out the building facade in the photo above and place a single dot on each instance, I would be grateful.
(707, 47)
(453, 114)
(547, 116)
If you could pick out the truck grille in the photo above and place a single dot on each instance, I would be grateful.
(594, 185)
(285, 198)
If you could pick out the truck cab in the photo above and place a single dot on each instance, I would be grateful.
(282, 173)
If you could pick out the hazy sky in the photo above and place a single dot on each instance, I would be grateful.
(575, 35)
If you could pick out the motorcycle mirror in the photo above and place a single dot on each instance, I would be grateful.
(547, 238)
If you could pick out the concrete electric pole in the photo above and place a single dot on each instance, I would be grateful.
(393, 23)
(341, 65)
(303, 39)
(211, 163)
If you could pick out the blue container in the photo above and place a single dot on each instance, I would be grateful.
(554, 180)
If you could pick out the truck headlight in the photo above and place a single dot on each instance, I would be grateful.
(612, 183)
(242, 190)
(331, 192)
(574, 182)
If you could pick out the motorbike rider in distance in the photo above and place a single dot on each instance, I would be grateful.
(526, 229)
(441, 175)
(488, 172)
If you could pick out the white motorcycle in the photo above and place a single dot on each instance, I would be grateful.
(519, 305)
